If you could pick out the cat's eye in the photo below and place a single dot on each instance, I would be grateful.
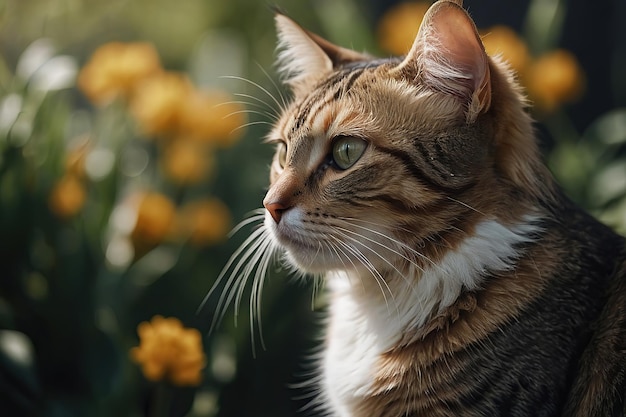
(282, 154)
(347, 150)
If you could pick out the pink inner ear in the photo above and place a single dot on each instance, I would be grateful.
(451, 56)
(459, 43)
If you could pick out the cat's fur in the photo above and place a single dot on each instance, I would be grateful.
(461, 281)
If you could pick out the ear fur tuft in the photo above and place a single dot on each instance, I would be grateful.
(299, 57)
(304, 56)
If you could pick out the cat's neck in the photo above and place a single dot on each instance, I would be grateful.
(369, 317)
(396, 305)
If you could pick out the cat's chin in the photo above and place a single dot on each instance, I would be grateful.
(308, 258)
(307, 265)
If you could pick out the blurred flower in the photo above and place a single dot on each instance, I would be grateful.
(169, 351)
(399, 25)
(76, 157)
(159, 100)
(553, 79)
(212, 117)
(186, 161)
(502, 40)
(56, 74)
(34, 57)
(67, 196)
(115, 69)
(155, 217)
(205, 221)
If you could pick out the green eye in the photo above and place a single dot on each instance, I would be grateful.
(347, 150)
(282, 154)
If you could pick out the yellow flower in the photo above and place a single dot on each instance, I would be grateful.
(212, 117)
(205, 221)
(186, 161)
(158, 102)
(115, 68)
(399, 25)
(502, 40)
(155, 218)
(169, 351)
(553, 79)
(67, 197)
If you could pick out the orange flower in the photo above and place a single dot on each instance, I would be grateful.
(399, 25)
(67, 197)
(158, 102)
(155, 217)
(115, 68)
(186, 162)
(501, 40)
(212, 117)
(555, 78)
(169, 351)
(205, 221)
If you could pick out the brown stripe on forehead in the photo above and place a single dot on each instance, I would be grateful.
(342, 81)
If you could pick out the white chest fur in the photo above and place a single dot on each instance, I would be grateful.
(364, 323)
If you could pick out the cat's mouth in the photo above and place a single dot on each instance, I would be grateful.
(290, 234)
(305, 250)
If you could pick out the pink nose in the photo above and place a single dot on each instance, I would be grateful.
(276, 209)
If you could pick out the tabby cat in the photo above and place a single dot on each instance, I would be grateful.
(461, 281)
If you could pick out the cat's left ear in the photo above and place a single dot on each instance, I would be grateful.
(305, 57)
(449, 57)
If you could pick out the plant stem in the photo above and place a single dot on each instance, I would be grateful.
(162, 400)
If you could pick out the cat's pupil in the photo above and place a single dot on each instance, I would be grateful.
(347, 150)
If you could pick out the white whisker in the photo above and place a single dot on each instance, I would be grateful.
(466, 205)
(280, 94)
(271, 111)
(359, 235)
(249, 246)
(257, 85)
(402, 245)
(370, 267)
(243, 126)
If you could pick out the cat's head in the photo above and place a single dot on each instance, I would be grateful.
(385, 162)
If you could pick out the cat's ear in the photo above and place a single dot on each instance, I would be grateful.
(304, 56)
(450, 57)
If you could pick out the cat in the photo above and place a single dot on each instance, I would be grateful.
(461, 281)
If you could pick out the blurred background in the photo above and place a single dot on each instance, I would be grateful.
(130, 145)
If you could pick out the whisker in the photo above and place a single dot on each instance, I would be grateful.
(247, 111)
(251, 263)
(345, 255)
(260, 103)
(255, 215)
(257, 292)
(370, 267)
(256, 122)
(247, 248)
(280, 94)
(381, 245)
(393, 240)
(465, 205)
(234, 256)
(257, 85)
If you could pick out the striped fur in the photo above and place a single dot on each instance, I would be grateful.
(461, 281)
